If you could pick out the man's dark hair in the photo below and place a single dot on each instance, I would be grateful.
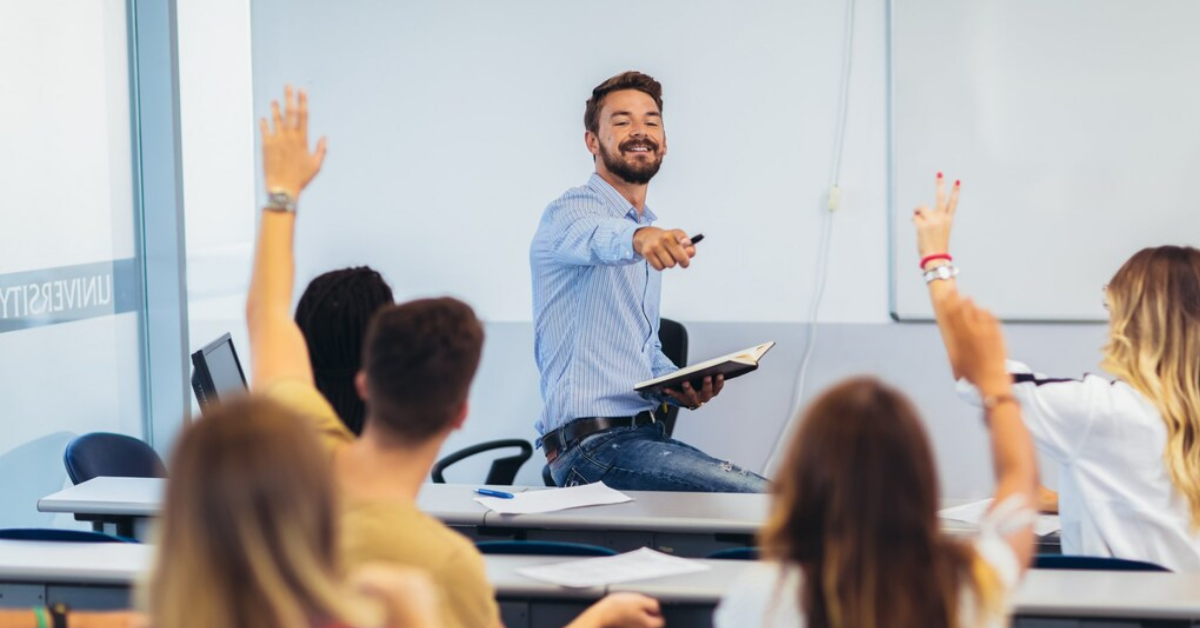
(625, 80)
(420, 358)
(333, 314)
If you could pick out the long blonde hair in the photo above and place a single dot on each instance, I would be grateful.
(247, 537)
(1154, 346)
(855, 507)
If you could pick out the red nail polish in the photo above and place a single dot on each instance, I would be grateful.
(957, 183)
(939, 175)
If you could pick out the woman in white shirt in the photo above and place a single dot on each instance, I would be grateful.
(854, 540)
(1128, 451)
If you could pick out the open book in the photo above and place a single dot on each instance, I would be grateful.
(733, 365)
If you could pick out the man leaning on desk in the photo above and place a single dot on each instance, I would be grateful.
(597, 265)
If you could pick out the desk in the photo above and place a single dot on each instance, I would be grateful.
(135, 501)
(1059, 599)
(99, 576)
(686, 524)
(93, 576)
(119, 505)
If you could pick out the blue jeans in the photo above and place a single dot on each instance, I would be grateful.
(644, 459)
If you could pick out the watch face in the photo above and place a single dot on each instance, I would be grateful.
(280, 201)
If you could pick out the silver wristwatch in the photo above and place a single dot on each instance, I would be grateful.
(280, 201)
(945, 271)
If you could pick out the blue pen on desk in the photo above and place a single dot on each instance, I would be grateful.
(491, 493)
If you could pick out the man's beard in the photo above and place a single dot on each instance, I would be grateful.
(638, 172)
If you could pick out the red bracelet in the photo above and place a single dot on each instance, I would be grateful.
(936, 256)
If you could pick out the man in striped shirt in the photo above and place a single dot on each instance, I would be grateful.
(596, 262)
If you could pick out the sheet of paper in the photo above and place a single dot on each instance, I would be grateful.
(639, 564)
(974, 512)
(554, 499)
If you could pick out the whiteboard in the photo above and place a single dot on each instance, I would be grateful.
(1075, 128)
(452, 125)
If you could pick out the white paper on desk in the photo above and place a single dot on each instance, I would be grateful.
(639, 564)
(554, 499)
(974, 512)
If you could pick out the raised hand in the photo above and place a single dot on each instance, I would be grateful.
(287, 163)
(663, 248)
(979, 345)
(933, 225)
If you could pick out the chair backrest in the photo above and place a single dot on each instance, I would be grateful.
(736, 553)
(1092, 563)
(543, 548)
(503, 471)
(60, 535)
(674, 339)
(112, 455)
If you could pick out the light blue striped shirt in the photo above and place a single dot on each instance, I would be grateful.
(595, 307)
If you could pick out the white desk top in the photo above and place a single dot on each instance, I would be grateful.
(1143, 595)
(502, 572)
(454, 504)
(77, 563)
(698, 513)
(142, 497)
(1043, 593)
(135, 497)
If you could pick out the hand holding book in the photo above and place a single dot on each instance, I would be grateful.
(693, 377)
(691, 398)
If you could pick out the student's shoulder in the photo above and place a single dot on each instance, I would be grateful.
(371, 527)
(304, 399)
(396, 533)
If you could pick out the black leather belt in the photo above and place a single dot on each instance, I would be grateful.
(554, 442)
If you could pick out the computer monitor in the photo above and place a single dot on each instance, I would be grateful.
(217, 372)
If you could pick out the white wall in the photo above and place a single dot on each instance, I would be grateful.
(217, 126)
(341, 225)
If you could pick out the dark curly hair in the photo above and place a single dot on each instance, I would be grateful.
(333, 314)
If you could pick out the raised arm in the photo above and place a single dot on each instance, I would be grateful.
(933, 245)
(277, 347)
(980, 355)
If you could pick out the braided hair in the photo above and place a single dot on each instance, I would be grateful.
(333, 314)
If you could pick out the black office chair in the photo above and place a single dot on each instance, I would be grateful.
(61, 536)
(111, 455)
(736, 553)
(674, 338)
(503, 470)
(1092, 563)
(542, 548)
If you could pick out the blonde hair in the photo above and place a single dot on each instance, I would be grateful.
(855, 508)
(1154, 346)
(247, 537)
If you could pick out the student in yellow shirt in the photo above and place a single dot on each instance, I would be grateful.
(248, 537)
(418, 363)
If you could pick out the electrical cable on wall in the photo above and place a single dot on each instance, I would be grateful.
(833, 202)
